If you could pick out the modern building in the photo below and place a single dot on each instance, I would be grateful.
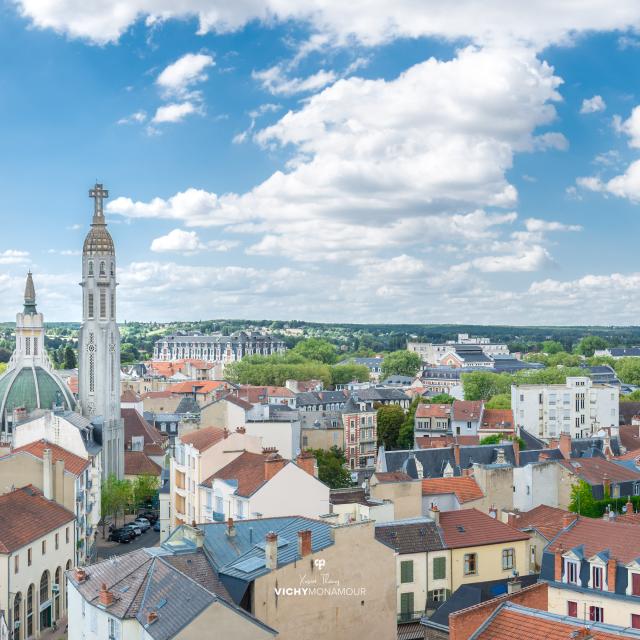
(99, 339)
(579, 408)
(37, 544)
(217, 347)
(360, 436)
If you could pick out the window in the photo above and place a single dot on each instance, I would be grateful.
(114, 629)
(112, 269)
(35, 346)
(470, 564)
(596, 614)
(406, 571)
(635, 621)
(596, 577)
(44, 587)
(437, 595)
(507, 559)
(27, 346)
(615, 493)
(29, 556)
(636, 488)
(57, 541)
(90, 305)
(44, 547)
(16, 563)
(103, 269)
(30, 597)
(90, 267)
(571, 572)
(635, 584)
(103, 303)
(113, 306)
(406, 606)
(439, 568)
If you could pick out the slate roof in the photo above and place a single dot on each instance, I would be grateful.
(514, 622)
(543, 518)
(594, 470)
(621, 352)
(470, 528)
(466, 489)
(137, 463)
(592, 447)
(620, 538)
(202, 439)
(534, 455)
(350, 496)
(467, 410)
(188, 404)
(629, 436)
(26, 515)
(373, 394)
(72, 463)
(320, 397)
(530, 440)
(417, 535)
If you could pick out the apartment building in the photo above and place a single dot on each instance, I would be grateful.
(360, 435)
(579, 408)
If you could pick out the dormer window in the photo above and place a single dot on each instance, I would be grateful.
(596, 578)
(571, 571)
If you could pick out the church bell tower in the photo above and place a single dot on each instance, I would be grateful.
(99, 341)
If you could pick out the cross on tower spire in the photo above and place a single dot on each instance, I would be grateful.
(98, 193)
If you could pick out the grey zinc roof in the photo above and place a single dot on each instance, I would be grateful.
(188, 404)
(381, 393)
(530, 440)
(533, 455)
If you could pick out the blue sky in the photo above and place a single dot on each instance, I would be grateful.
(324, 162)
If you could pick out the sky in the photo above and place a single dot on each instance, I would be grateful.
(405, 162)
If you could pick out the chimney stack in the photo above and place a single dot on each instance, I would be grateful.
(434, 512)
(106, 597)
(307, 461)
(456, 453)
(271, 550)
(565, 445)
(629, 506)
(231, 529)
(80, 574)
(304, 543)
(272, 464)
(567, 519)
(493, 512)
(47, 474)
(514, 585)
(152, 616)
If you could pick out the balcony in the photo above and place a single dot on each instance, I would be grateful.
(410, 616)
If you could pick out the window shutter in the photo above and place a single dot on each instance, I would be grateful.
(439, 568)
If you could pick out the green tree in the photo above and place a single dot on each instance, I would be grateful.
(128, 353)
(348, 372)
(494, 438)
(406, 436)
(115, 499)
(70, 361)
(634, 396)
(331, 468)
(589, 344)
(552, 346)
(401, 363)
(500, 401)
(5, 355)
(316, 349)
(390, 419)
(144, 489)
(482, 385)
(628, 370)
(582, 501)
(441, 398)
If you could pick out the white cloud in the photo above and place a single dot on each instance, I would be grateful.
(370, 22)
(275, 81)
(593, 105)
(13, 256)
(135, 118)
(536, 225)
(177, 78)
(175, 112)
(177, 240)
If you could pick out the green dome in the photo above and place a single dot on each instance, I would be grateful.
(32, 388)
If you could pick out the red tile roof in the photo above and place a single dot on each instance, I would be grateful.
(433, 411)
(201, 386)
(472, 528)
(130, 396)
(594, 470)
(158, 394)
(620, 538)
(239, 402)
(202, 439)
(261, 395)
(137, 463)
(501, 419)
(512, 622)
(547, 520)
(438, 442)
(466, 489)
(247, 470)
(467, 410)
(26, 516)
(393, 476)
(135, 426)
(629, 435)
(630, 455)
(72, 463)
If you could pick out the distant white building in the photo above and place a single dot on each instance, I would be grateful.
(579, 408)
(433, 353)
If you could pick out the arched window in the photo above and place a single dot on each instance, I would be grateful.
(90, 271)
(56, 595)
(103, 268)
(17, 603)
(66, 601)
(30, 596)
(44, 587)
(112, 269)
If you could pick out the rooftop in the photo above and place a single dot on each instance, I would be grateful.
(137, 463)
(470, 528)
(72, 463)
(433, 411)
(548, 521)
(467, 410)
(501, 419)
(466, 489)
(202, 439)
(596, 470)
(248, 470)
(417, 535)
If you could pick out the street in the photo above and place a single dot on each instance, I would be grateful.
(106, 549)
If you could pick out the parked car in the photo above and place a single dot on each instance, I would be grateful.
(143, 523)
(156, 525)
(122, 535)
(151, 516)
(133, 527)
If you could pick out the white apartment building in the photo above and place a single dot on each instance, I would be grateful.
(579, 407)
(433, 353)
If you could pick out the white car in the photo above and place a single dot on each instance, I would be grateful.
(143, 523)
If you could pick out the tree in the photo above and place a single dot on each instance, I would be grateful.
(5, 355)
(406, 435)
(115, 498)
(552, 346)
(145, 487)
(482, 385)
(128, 353)
(634, 396)
(316, 349)
(331, 468)
(589, 344)
(494, 438)
(441, 398)
(401, 363)
(390, 419)
(69, 358)
(348, 372)
(582, 501)
(500, 401)
(628, 370)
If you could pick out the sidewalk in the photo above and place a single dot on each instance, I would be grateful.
(59, 634)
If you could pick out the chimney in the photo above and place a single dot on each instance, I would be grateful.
(58, 481)
(106, 597)
(584, 633)
(152, 616)
(231, 529)
(80, 575)
(434, 512)
(272, 464)
(512, 519)
(241, 430)
(199, 537)
(307, 461)
(225, 433)
(514, 585)
(304, 543)
(271, 550)
(606, 483)
(565, 445)
(543, 456)
(456, 453)
(500, 459)
(516, 450)
(558, 565)
(493, 512)
(47, 474)
(611, 574)
(629, 506)
(567, 519)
